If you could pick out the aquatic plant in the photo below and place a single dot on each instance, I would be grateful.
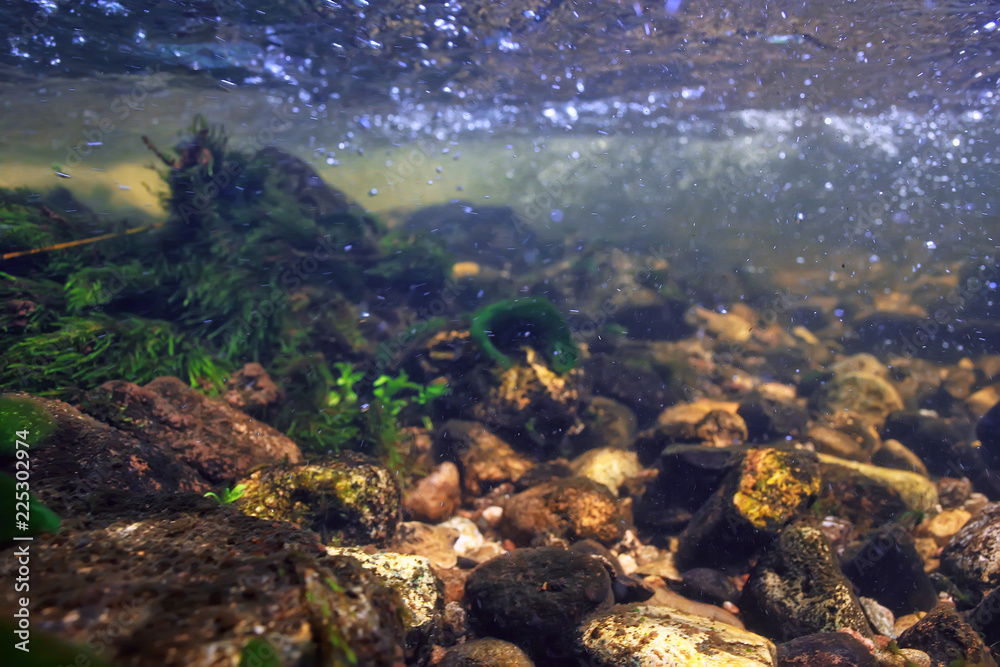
(229, 496)
(19, 414)
(534, 321)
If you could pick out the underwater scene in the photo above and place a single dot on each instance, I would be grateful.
(497, 334)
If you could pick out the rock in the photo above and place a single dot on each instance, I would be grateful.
(180, 580)
(825, 649)
(420, 589)
(572, 508)
(484, 459)
(726, 327)
(934, 440)
(704, 584)
(918, 492)
(972, 557)
(837, 442)
(985, 618)
(886, 566)
(252, 390)
(797, 589)
(486, 653)
(436, 496)
(650, 636)
(624, 587)
(712, 422)
(953, 492)
(944, 525)
(770, 416)
(349, 499)
(607, 423)
(210, 436)
(881, 617)
(435, 543)
(946, 638)
(607, 466)
(894, 454)
(867, 396)
(535, 598)
(84, 459)
(860, 363)
(632, 384)
(767, 490)
(988, 432)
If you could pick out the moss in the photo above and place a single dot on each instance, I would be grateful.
(518, 321)
(20, 414)
(46, 650)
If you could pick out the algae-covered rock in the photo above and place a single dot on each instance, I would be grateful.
(420, 589)
(652, 636)
(572, 508)
(972, 557)
(797, 589)
(864, 395)
(918, 492)
(349, 499)
(947, 639)
(486, 652)
(180, 580)
(769, 489)
(533, 321)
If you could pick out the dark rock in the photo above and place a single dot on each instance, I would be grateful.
(625, 588)
(768, 419)
(947, 639)
(704, 584)
(688, 476)
(535, 598)
(865, 502)
(797, 589)
(953, 492)
(572, 508)
(985, 618)
(85, 458)
(208, 435)
(484, 459)
(180, 580)
(933, 440)
(825, 649)
(637, 387)
(887, 568)
(769, 489)
(349, 499)
(972, 557)
(988, 432)
(486, 653)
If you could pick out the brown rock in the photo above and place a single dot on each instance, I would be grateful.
(435, 543)
(946, 638)
(436, 496)
(251, 389)
(484, 459)
(181, 580)
(942, 526)
(573, 508)
(221, 443)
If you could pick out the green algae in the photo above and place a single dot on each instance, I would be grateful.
(515, 320)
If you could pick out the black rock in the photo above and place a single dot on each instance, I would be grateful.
(707, 585)
(887, 568)
(985, 618)
(768, 420)
(934, 440)
(535, 598)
